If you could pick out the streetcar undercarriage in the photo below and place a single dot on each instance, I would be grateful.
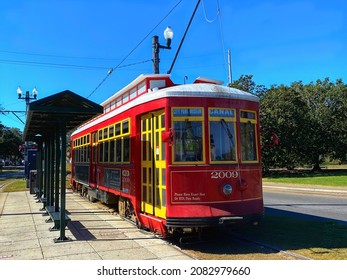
(161, 227)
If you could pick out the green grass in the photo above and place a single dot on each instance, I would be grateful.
(319, 240)
(13, 185)
(328, 177)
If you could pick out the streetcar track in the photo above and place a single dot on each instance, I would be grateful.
(269, 246)
(113, 211)
(3, 205)
(197, 242)
(229, 245)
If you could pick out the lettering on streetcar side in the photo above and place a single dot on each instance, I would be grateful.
(224, 174)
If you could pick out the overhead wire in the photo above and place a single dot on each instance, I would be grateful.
(222, 39)
(218, 16)
(111, 70)
(47, 64)
(204, 10)
(62, 65)
(54, 55)
(221, 32)
(17, 119)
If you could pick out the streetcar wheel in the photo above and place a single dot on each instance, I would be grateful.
(138, 224)
(121, 207)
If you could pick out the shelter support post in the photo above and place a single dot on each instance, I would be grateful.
(39, 169)
(62, 236)
(51, 170)
(38, 181)
(45, 174)
(57, 164)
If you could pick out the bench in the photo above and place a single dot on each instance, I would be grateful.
(55, 217)
(44, 201)
(37, 192)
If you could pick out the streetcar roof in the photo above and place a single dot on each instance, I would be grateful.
(198, 90)
(209, 90)
(135, 83)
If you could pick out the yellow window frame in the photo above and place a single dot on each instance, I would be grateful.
(189, 118)
(254, 122)
(79, 145)
(108, 139)
(227, 119)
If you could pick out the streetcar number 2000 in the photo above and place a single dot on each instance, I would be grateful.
(224, 174)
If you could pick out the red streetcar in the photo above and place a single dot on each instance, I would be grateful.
(175, 158)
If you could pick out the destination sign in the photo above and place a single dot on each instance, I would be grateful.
(226, 113)
(248, 115)
(187, 112)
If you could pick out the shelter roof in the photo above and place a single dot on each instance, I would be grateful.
(47, 114)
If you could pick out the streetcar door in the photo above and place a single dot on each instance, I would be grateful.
(153, 168)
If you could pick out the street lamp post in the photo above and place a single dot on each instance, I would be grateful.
(168, 34)
(27, 96)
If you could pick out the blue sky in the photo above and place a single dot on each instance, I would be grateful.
(71, 44)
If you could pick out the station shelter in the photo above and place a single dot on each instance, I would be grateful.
(48, 122)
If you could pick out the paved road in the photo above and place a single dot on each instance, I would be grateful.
(310, 205)
(5, 174)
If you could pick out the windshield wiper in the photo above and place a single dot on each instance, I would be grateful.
(227, 130)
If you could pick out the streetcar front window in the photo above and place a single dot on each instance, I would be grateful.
(222, 141)
(222, 135)
(188, 141)
(248, 123)
(188, 133)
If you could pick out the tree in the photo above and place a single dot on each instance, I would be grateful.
(1, 133)
(338, 109)
(12, 139)
(246, 83)
(1, 128)
(284, 112)
(309, 121)
(327, 103)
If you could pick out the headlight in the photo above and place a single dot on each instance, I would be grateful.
(227, 189)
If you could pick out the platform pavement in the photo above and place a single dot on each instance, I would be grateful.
(95, 233)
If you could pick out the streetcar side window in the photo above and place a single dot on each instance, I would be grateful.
(126, 149)
(106, 151)
(118, 150)
(112, 144)
(101, 152)
(222, 135)
(248, 122)
(125, 127)
(94, 146)
(188, 135)
(115, 144)
(111, 131)
(118, 128)
(82, 149)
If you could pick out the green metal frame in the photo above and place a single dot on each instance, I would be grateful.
(48, 121)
